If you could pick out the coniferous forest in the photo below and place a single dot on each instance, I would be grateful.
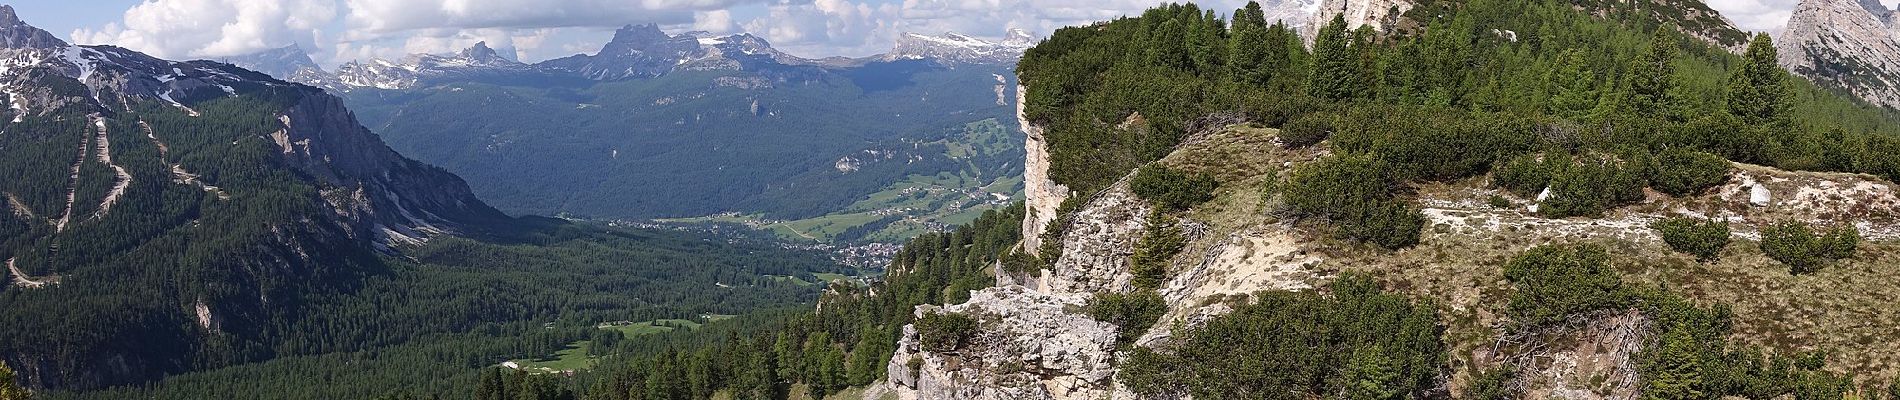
(1595, 107)
(1586, 105)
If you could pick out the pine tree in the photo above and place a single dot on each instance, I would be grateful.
(1249, 50)
(1371, 375)
(489, 387)
(755, 372)
(1573, 86)
(1650, 84)
(10, 390)
(1206, 46)
(867, 357)
(1335, 66)
(1167, 46)
(787, 358)
(1676, 373)
(1756, 91)
(1366, 55)
(1249, 16)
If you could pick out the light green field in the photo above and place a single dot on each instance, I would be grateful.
(574, 356)
(926, 202)
(649, 327)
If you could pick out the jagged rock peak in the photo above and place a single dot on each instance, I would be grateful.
(1874, 7)
(480, 51)
(1018, 37)
(7, 17)
(17, 34)
(639, 33)
(1374, 13)
(1845, 44)
(957, 48)
(282, 62)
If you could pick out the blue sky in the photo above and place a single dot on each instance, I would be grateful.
(335, 31)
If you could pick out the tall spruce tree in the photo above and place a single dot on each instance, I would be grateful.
(1370, 375)
(1649, 87)
(1757, 91)
(1206, 47)
(1249, 50)
(1573, 86)
(1335, 65)
(1167, 46)
(1676, 373)
(1366, 55)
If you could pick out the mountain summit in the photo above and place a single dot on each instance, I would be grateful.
(636, 51)
(247, 191)
(1845, 44)
(956, 48)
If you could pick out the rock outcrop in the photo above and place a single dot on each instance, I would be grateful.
(1375, 13)
(1849, 45)
(956, 48)
(1030, 345)
(1041, 194)
(1097, 241)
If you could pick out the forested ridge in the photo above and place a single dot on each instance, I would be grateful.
(1582, 105)
(205, 247)
(696, 143)
(1593, 107)
(1547, 98)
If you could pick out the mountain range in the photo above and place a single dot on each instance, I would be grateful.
(635, 51)
(1845, 44)
(164, 217)
(695, 128)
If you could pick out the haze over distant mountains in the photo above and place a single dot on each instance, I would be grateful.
(660, 125)
(636, 51)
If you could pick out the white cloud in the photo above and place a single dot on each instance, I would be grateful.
(382, 17)
(827, 27)
(1756, 15)
(543, 29)
(1764, 15)
(214, 28)
(715, 21)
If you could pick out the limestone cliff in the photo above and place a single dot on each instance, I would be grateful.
(1041, 194)
(1375, 13)
(1031, 345)
(1845, 44)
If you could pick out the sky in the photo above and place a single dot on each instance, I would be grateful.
(336, 31)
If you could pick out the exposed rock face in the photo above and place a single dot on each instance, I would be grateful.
(335, 193)
(289, 63)
(396, 200)
(476, 62)
(1041, 195)
(1296, 14)
(1097, 243)
(1845, 44)
(636, 51)
(1030, 346)
(956, 48)
(320, 137)
(639, 51)
(1375, 13)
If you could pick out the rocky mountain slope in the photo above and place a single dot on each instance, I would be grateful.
(722, 129)
(1845, 44)
(118, 163)
(1042, 333)
(635, 51)
(961, 49)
